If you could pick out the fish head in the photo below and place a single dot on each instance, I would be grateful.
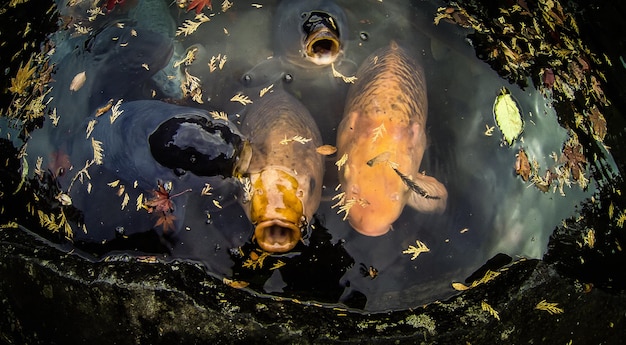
(199, 144)
(378, 197)
(310, 33)
(277, 209)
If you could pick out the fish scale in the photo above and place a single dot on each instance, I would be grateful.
(391, 75)
(382, 135)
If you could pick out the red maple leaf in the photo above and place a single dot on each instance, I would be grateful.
(199, 5)
(110, 4)
(166, 221)
(161, 202)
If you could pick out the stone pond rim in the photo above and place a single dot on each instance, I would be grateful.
(50, 297)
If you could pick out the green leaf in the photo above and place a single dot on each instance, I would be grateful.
(508, 116)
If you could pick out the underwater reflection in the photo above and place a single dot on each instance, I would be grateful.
(244, 58)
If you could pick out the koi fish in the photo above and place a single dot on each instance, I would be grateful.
(285, 175)
(382, 135)
(310, 33)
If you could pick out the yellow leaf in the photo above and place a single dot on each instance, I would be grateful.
(551, 308)
(460, 286)
(22, 78)
(486, 307)
(417, 250)
(508, 116)
(237, 284)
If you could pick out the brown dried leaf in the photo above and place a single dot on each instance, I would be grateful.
(326, 150)
(522, 166)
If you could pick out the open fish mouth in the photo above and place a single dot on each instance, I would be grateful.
(277, 236)
(322, 45)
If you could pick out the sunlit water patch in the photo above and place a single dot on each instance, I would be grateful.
(214, 67)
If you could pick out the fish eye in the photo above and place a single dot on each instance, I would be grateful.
(179, 172)
(288, 78)
(303, 15)
(364, 36)
(246, 79)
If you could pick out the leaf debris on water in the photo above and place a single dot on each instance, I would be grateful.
(22, 80)
(139, 202)
(125, 200)
(78, 81)
(38, 164)
(378, 132)
(206, 190)
(237, 284)
(296, 138)
(277, 264)
(241, 98)
(416, 250)
(551, 308)
(90, 126)
(226, 5)
(589, 238)
(486, 307)
(255, 260)
(191, 87)
(337, 74)
(265, 90)
(189, 26)
(54, 117)
(489, 130)
(339, 163)
(115, 111)
(190, 56)
(345, 206)
(218, 115)
(326, 150)
(508, 116)
(98, 155)
(100, 111)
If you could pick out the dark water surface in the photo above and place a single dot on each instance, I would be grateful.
(490, 210)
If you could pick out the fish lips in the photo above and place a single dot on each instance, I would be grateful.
(322, 44)
(277, 235)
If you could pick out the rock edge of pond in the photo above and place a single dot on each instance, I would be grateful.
(51, 297)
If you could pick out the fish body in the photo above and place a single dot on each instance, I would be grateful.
(285, 174)
(310, 33)
(154, 141)
(383, 135)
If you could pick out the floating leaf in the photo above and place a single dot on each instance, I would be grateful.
(237, 284)
(98, 156)
(243, 99)
(326, 150)
(551, 308)
(417, 250)
(508, 116)
(522, 166)
(22, 79)
(78, 81)
(378, 132)
(486, 307)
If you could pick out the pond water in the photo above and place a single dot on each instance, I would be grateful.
(134, 53)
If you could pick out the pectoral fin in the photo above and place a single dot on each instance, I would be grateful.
(435, 197)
